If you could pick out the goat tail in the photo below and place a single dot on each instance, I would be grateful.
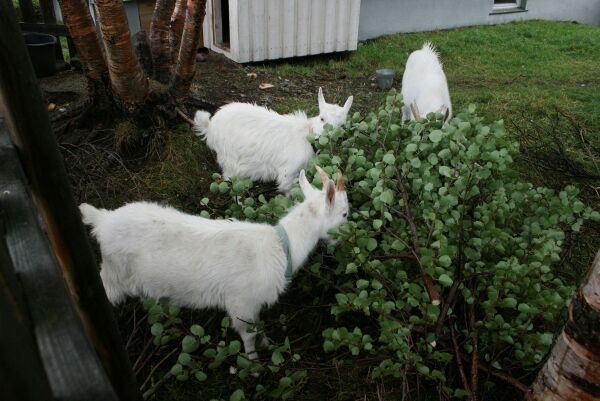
(91, 216)
(201, 120)
(430, 50)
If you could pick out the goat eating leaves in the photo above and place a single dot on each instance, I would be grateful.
(155, 251)
(424, 85)
(258, 143)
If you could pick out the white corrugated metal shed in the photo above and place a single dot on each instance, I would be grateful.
(271, 29)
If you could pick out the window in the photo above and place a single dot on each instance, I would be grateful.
(501, 6)
(504, 4)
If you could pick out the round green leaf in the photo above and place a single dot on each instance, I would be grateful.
(435, 136)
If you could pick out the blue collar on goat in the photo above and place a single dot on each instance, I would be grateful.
(285, 243)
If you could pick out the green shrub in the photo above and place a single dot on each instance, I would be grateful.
(199, 354)
(443, 204)
(430, 203)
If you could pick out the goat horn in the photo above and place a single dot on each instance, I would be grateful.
(323, 174)
(339, 185)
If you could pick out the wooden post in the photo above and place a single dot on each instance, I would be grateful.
(572, 371)
(72, 366)
(21, 370)
(47, 11)
(25, 111)
(27, 10)
(49, 17)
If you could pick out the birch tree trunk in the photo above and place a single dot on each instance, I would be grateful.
(177, 21)
(159, 37)
(129, 83)
(186, 60)
(78, 20)
(573, 370)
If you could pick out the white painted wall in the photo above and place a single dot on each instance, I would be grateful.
(274, 29)
(383, 17)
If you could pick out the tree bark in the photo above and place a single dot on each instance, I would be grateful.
(129, 84)
(177, 21)
(141, 48)
(572, 371)
(78, 20)
(159, 37)
(186, 60)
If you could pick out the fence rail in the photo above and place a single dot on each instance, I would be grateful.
(43, 20)
(70, 336)
(70, 364)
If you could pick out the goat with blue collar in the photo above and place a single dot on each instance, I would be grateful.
(155, 251)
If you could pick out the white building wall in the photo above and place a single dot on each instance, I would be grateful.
(383, 17)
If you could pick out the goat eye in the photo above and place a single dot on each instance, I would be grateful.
(322, 120)
(345, 214)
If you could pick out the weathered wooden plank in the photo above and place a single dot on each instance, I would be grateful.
(21, 371)
(72, 48)
(234, 34)
(73, 368)
(27, 10)
(289, 27)
(258, 29)
(58, 51)
(26, 114)
(330, 23)
(342, 27)
(303, 31)
(47, 9)
(243, 42)
(274, 29)
(317, 27)
(51, 29)
(353, 24)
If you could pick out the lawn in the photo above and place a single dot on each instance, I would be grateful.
(542, 78)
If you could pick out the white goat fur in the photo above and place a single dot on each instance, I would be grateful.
(258, 143)
(424, 83)
(154, 251)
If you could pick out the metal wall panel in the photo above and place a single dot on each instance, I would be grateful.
(274, 29)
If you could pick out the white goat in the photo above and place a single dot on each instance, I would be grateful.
(154, 251)
(424, 85)
(258, 143)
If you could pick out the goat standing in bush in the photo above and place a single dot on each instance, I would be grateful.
(424, 85)
(154, 251)
(258, 143)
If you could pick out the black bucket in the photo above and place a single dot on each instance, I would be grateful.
(42, 52)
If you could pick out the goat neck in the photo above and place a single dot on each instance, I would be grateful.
(303, 227)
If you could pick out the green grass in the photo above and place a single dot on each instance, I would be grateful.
(520, 72)
(502, 68)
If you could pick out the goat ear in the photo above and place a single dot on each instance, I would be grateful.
(330, 194)
(322, 102)
(305, 186)
(348, 104)
(323, 174)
